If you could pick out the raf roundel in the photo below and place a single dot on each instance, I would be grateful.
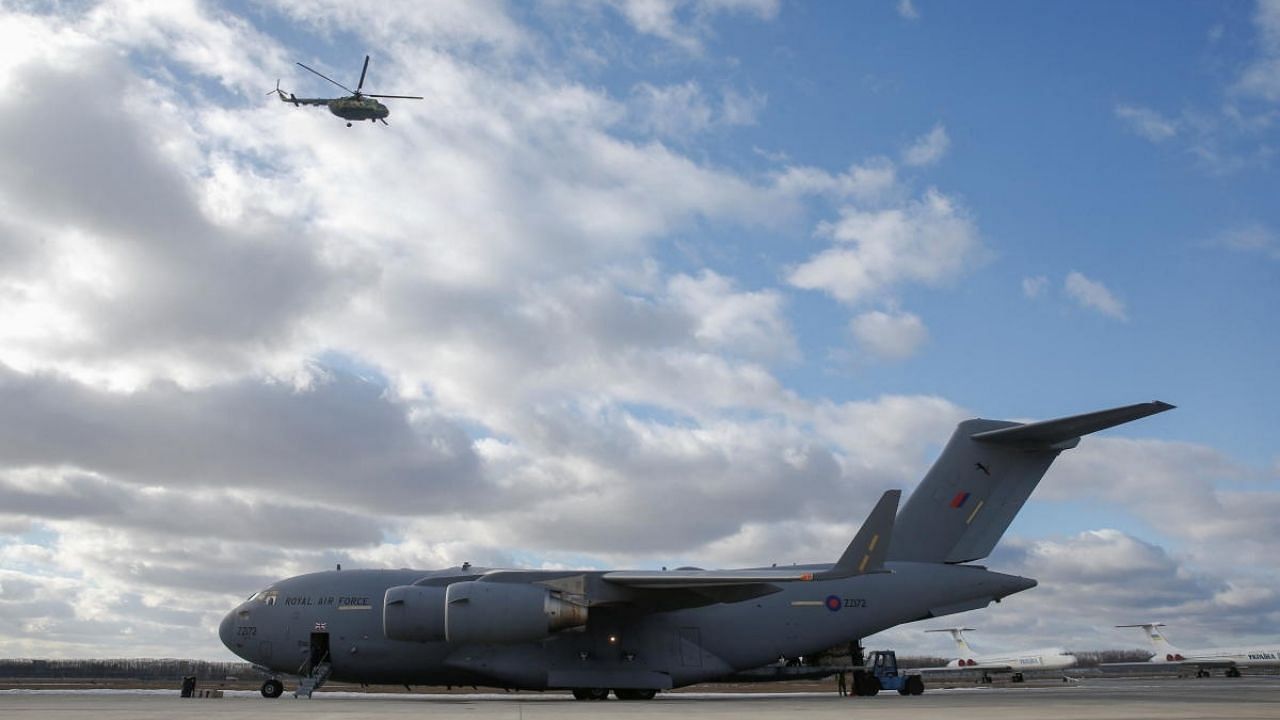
(833, 603)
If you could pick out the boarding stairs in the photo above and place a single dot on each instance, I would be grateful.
(312, 681)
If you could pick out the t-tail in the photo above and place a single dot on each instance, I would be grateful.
(988, 470)
(957, 634)
(1164, 649)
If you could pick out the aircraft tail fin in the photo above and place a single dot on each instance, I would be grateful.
(957, 634)
(867, 552)
(1159, 643)
(982, 478)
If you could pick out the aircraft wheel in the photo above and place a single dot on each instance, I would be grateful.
(272, 688)
(635, 694)
(903, 690)
(590, 693)
(1233, 672)
(915, 685)
(581, 694)
(1017, 677)
(348, 124)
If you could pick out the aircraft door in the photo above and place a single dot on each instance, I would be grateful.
(690, 640)
(319, 650)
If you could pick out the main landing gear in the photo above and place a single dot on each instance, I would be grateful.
(272, 688)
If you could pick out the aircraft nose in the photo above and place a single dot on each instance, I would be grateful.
(226, 631)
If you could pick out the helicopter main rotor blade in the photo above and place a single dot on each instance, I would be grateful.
(362, 73)
(335, 82)
(402, 97)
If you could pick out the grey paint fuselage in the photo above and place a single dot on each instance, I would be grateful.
(621, 645)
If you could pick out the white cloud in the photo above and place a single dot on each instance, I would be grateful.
(682, 111)
(751, 323)
(871, 181)
(888, 336)
(1034, 286)
(685, 22)
(1261, 78)
(928, 148)
(931, 240)
(907, 10)
(1093, 295)
(1254, 238)
(1147, 122)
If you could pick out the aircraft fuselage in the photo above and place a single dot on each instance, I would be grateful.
(622, 645)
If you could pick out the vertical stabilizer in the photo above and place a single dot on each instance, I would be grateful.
(982, 478)
(1164, 650)
(957, 634)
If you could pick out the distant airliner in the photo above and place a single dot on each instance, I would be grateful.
(1233, 658)
(1010, 662)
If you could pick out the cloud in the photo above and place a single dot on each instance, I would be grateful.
(1147, 123)
(931, 240)
(1252, 238)
(1261, 78)
(751, 323)
(684, 23)
(1034, 286)
(907, 10)
(928, 148)
(1093, 295)
(874, 180)
(682, 111)
(888, 336)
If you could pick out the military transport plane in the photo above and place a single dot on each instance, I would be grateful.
(640, 632)
(1231, 659)
(1016, 663)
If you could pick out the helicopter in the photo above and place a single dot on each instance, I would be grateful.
(357, 106)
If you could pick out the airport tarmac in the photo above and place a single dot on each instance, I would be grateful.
(1095, 699)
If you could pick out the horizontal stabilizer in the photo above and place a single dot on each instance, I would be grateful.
(1053, 432)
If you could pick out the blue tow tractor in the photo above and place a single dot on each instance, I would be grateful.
(881, 673)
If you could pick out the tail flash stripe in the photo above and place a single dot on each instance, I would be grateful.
(974, 514)
(862, 566)
(872, 545)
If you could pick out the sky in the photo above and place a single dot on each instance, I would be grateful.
(638, 283)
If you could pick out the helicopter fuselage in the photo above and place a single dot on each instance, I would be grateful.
(358, 108)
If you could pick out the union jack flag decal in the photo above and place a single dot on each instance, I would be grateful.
(322, 626)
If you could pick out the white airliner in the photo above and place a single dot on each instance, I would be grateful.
(1012, 662)
(1231, 658)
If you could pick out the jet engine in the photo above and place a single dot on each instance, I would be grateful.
(495, 612)
(413, 613)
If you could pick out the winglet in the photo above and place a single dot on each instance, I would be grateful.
(867, 551)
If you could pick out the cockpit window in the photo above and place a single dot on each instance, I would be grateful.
(266, 597)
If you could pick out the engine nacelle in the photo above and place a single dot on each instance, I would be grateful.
(413, 613)
(496, 612)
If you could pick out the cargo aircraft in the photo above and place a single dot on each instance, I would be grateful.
(638, 632)
(1229, 659)
(1016, 663)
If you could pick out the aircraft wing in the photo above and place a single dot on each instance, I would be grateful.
(692, 579)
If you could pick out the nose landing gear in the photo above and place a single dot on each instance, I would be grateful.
(272, 688)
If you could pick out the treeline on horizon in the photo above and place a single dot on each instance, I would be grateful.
(131, 668)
